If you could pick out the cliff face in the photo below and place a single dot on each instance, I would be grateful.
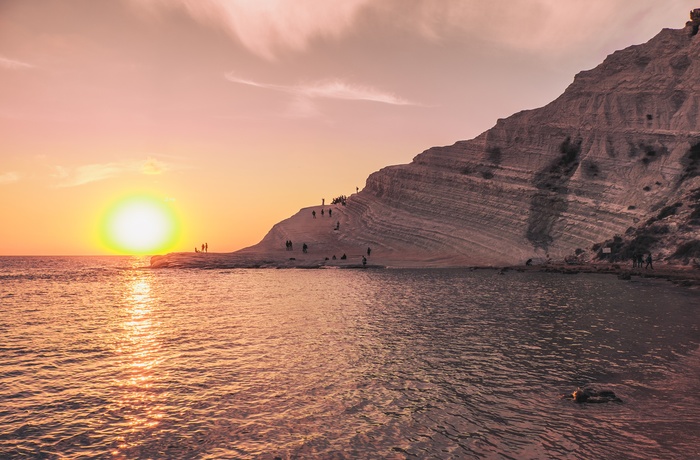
(594, 168)
(609, 169)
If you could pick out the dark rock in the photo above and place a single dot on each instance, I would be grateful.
(592, 396)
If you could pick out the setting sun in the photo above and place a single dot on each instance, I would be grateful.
(139, 225)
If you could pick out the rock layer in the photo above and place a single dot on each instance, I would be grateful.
(595, 168)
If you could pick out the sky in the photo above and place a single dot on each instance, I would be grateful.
(238, 113)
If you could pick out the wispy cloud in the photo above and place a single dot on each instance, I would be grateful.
(9, 177)
(330, 89)
(153, 167)
(85, 174)
(81, 175)
(13, 64)
(532, 25)
(269, 27)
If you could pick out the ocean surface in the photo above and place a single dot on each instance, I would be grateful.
(106, 358)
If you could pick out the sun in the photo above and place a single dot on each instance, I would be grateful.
(140, 224)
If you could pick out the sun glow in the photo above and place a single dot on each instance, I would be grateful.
(140, 224)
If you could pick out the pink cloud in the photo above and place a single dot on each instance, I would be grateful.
(13, 64)
(267, 26)
(330, 89)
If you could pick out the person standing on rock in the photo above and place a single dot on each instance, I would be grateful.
(313, 213)
(649, 264)
(369, 251)
(330, 213)
(323, 201)
(364, 261)
(304, 248)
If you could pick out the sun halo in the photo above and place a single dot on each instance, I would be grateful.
(139, 225)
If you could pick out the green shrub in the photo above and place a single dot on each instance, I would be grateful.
(569, 150)
(688, 249)
(667, 211)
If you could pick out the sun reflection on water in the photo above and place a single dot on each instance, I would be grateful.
(140, 403)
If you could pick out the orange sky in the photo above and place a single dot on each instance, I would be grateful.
(240, 113)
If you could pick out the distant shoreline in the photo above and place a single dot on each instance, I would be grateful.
(680, 275)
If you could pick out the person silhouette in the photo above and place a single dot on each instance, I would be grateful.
(206, 247)
(313, 213)
(364, 261)
(369, 251)
(202, 247)
(330, 213)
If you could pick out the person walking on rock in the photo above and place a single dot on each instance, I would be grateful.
(649, 264)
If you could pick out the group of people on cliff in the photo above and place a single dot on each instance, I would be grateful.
(639, 259)
(330, 213)
(205, 248)
(305, 248)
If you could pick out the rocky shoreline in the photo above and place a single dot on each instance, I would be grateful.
(681, 275)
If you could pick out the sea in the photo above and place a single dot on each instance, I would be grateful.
(104, 357)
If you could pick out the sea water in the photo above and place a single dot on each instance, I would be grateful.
(106, 358)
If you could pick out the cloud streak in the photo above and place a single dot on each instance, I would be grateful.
(152, 167)
(85, 174)
(330, 89)
(13, 64)
(9, 177)
(270, 27)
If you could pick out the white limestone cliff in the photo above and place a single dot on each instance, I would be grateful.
(613, 162)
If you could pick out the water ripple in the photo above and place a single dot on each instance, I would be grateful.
(101, 358)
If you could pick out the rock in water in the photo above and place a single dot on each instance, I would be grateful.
(591, 395)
